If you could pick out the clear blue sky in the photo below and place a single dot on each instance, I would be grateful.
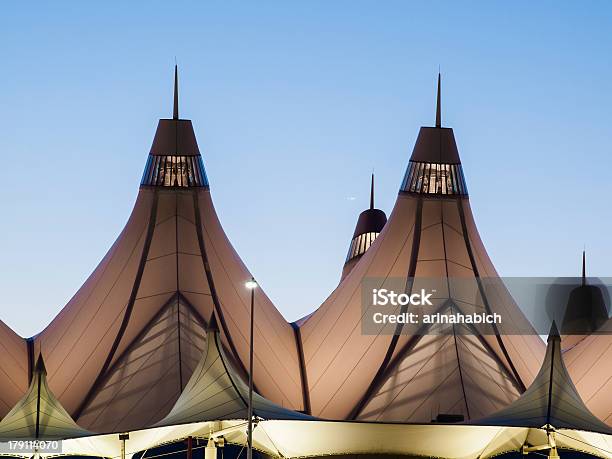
(293, 104)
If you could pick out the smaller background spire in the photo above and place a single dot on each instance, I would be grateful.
(438, 104)
(40, 365)
(584, 267)
(175, 112)
(372, 192)
(554, 332)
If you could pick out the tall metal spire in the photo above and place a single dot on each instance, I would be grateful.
(438, 115)
(372, 192)
(175, 113)
(583, 267)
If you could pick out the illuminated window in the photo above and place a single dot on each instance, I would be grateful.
(175, 171)
(434, 178)
(360, 244)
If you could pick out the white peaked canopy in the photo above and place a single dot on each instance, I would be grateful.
(39, 415)
(13, 368)
(551, 400)
(416, 376)
(216, 392)
(121, 351)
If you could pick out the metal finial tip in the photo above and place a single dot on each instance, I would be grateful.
(438, 104)
(554, 332)
(584, 267)
(372, 192)
(40, 365)
(175, 112)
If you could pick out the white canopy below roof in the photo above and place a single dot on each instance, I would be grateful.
(296, 439)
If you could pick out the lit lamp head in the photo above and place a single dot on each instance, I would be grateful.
(251, 284)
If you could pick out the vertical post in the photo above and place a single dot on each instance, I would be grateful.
(123, 437)
(250, 438)
(189, 447)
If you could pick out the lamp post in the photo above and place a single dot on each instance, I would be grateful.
(251, 285)
(123, 437)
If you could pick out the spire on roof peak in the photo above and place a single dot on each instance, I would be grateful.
(584, 267)
(369, 225)
(554, 334)
(175, 112)
(40, 365)
(372, 192)
(213, 325)
(438, 104)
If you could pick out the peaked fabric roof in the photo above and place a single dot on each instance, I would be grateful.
(13, 368)
(552, 399)
(216, 392)
(39, 415)
(122, 350)
(414, 377)
(588, 364)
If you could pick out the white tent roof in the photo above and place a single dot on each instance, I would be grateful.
(552, 399)
(39, 415)
(216, 392)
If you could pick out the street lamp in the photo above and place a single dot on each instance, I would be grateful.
(251, 285)
(123, 437)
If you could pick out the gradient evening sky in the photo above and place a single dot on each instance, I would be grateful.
(294, 103)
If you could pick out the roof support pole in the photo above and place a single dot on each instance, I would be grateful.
(123, 437)
(250, 411)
